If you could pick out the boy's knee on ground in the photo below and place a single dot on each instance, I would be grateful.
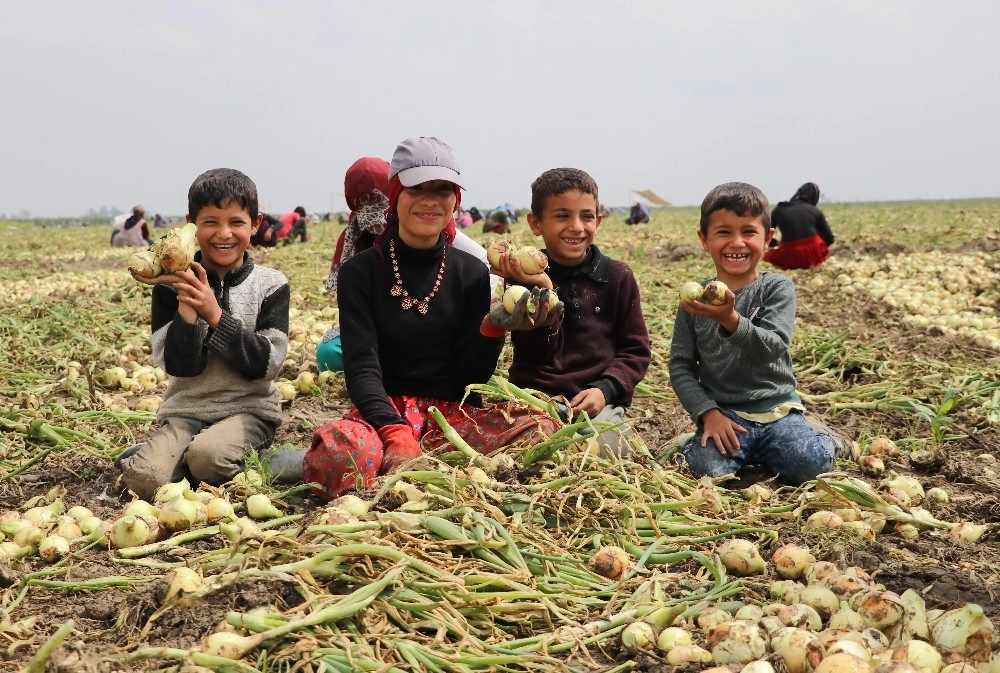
(212, 462)
(144, 476)
(707, 461)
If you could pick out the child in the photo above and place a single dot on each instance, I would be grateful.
(220, 330)
(601, 350)
(730, 365)
(416, 334)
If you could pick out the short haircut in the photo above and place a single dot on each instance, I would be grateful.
(220, 186)
(556, 181)
(300, 210)
(738, 197)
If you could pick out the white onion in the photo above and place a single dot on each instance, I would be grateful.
(800, 615)
(228, 645)
(823, 520)
(938, 495)
(790, 561)
(874, 640)
(671, 637)
(959, 667)
(141, 508)
(611, 562)
(178, 514)
(750, 611)
(907, 484)
(851, 647)
(821, 572)
(967, 532)
(638, 637)
(965, 630)
(128, 531)
(79, 513)
(352, 504)
(737, 641)
(259, 507)
(919, 653)
(883, 446)
(219, 509)
(688, 654)
(711, 617)
(52, 548)
(759, 666)
(785, 591)
(800, 650)
(843, 662)
(914, 615)
(879, 609)
(29, 536)
(168, 492)
(846, 618)
(821, 599)
(741, 557)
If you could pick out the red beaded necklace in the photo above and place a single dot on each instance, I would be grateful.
(398, 290)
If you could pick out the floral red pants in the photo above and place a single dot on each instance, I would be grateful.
(347, 453)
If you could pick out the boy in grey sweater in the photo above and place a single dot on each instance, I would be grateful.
(729, 364)
(220, 330)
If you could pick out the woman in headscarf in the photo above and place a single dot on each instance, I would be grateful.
(418, 329)
(805, 234)
(366, 188)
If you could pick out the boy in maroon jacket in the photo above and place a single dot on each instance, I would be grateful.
(600, 351)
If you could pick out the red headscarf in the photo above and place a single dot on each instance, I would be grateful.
(366, 188)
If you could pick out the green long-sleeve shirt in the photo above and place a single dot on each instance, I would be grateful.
(749, 369)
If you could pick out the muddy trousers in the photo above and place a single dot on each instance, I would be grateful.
(347, 453)
(185, 448)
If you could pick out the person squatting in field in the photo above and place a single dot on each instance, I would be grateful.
(293, 223)
(418, 328)
(600, 352)
(806, 236)
(366, 188)
(730, 365)
(132, 231)
(220, 331)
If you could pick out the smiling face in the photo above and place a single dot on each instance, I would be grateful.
(568, 224)
(736, 244)
(424, 211)
(223, 235)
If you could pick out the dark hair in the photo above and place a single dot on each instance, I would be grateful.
(300, 210)
(557, 181)
(738, 197)
(220, 186)
(808, 192)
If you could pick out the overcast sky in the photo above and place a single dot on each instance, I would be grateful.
(114, 103)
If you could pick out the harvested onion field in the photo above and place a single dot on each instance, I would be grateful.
(897, 336)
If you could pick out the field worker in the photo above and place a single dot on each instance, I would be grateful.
(132, 230)
(266, 234)
(366, 188)
(638, 214)
(805, 234)
(729, 363)
(220, 330)
(293, 223)
(497, 222)
(417, 329)
(600, 351)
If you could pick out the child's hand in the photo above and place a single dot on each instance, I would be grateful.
(590, 400)
(162, 279)
(725, 314)
(195, 292)
(722, 430)
(510, 269)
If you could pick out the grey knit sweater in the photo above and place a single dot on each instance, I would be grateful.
(216, 373)
(747, 370)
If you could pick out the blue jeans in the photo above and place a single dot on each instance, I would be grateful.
(788, 447)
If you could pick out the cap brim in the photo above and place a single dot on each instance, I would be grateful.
(412, 177)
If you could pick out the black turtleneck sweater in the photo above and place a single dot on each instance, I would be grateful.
(389, 351)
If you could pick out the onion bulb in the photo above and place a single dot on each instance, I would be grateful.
(183, 580)
(737, 642)
(169, 491)
(715, 292)
(914, 614)
(128, 531)
(141, 508)
(790, 561)
(967, 532)
(878, 609)
(741, 557)
(52, 548)
(512, 295)
(919, 653)
(785, 591)
(532, 259)
(846, 619)
(259, 507)
(907, 484)
(691, 291)
(499, 248)
(638, 637)
(611, 562)
(871, 465)
(843, 662)
(178, 514)
(671, 637)
(883, 446)
(801, 651)
(79, 512)
(228, 645)
(352, 504)
(965, 630)
(688, 654)
(938, 494)
(711, 617)
(219, 509)
(759, 666)
(821, 599)
(823, 519)
(175, 250)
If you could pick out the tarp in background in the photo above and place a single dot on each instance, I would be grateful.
(651, 196)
